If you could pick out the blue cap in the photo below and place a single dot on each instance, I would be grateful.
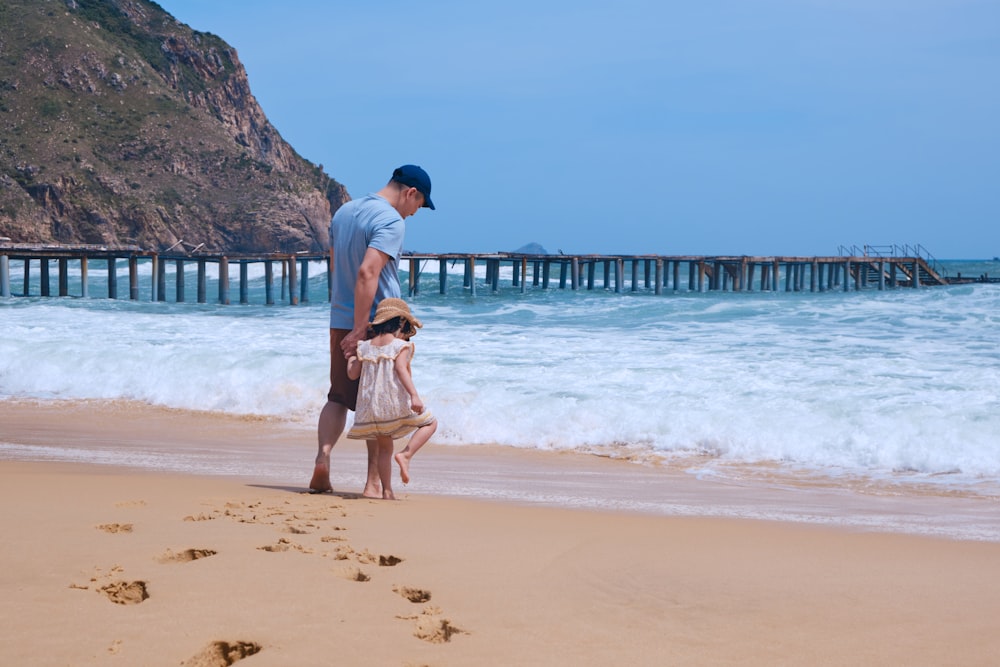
(413, 176)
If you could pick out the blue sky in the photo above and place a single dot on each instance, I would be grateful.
(759, 127)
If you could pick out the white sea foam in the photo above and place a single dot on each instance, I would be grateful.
(901, 383)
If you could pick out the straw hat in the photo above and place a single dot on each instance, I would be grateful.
(392, 307)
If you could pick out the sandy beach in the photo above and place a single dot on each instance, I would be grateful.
(106, 565)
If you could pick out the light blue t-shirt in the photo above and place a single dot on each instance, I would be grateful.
(369, 222)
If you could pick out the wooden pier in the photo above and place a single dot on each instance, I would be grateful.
(618, 273)
(691, 273)
(294, 272)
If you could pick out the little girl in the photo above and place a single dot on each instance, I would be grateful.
(389, 406)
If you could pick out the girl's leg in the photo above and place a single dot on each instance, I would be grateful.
(417, 440)
(385, 466)
(373, 486)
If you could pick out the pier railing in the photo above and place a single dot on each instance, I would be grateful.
(894, 250)
(871, 267)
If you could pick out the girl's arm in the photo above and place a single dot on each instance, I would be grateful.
(402, 368)
(353, 367)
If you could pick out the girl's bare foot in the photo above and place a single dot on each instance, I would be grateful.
(388, 495)
(372, 491)
(404, 467)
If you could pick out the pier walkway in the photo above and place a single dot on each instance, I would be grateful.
(867, 268)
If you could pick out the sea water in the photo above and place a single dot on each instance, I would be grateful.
(901, 385)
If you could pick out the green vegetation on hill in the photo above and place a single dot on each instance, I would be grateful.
(119, 125)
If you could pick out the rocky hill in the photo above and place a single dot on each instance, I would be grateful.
(121, 126)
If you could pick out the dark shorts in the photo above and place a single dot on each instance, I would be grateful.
(343, 389)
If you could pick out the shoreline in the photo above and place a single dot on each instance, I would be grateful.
(142, 437)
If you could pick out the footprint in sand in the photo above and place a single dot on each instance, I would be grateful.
(431, 627)
(343, 552)
(125, 592)
(297, 520)
(300, 530)
(353, 573)
(222, 654)
(115, 527)
(185, 556)
(368, 558)
(365, 557)
(415, 595)
(285, 545)
(98, 576)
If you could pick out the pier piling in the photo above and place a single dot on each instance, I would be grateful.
(156, 288)
(63, 265)
(45, 278)
(224, 281)
(161, 280)
(179, 280)
(4, 276)
(133, 278)
(244, 283)
(293, 283)
(112, 277)
(269, 283)
(304, 282)
(202, 281)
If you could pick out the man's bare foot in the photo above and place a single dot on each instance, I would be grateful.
(320, 482)
(404, 467)
(372, 491)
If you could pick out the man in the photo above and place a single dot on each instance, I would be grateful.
(366, 240)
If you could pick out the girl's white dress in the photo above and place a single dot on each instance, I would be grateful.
(383, 403)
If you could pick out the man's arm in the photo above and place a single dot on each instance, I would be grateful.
(364, 294)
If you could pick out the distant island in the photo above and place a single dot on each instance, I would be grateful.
(531, 249)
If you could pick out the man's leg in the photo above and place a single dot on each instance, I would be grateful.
(341, 398)
(331, 426)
